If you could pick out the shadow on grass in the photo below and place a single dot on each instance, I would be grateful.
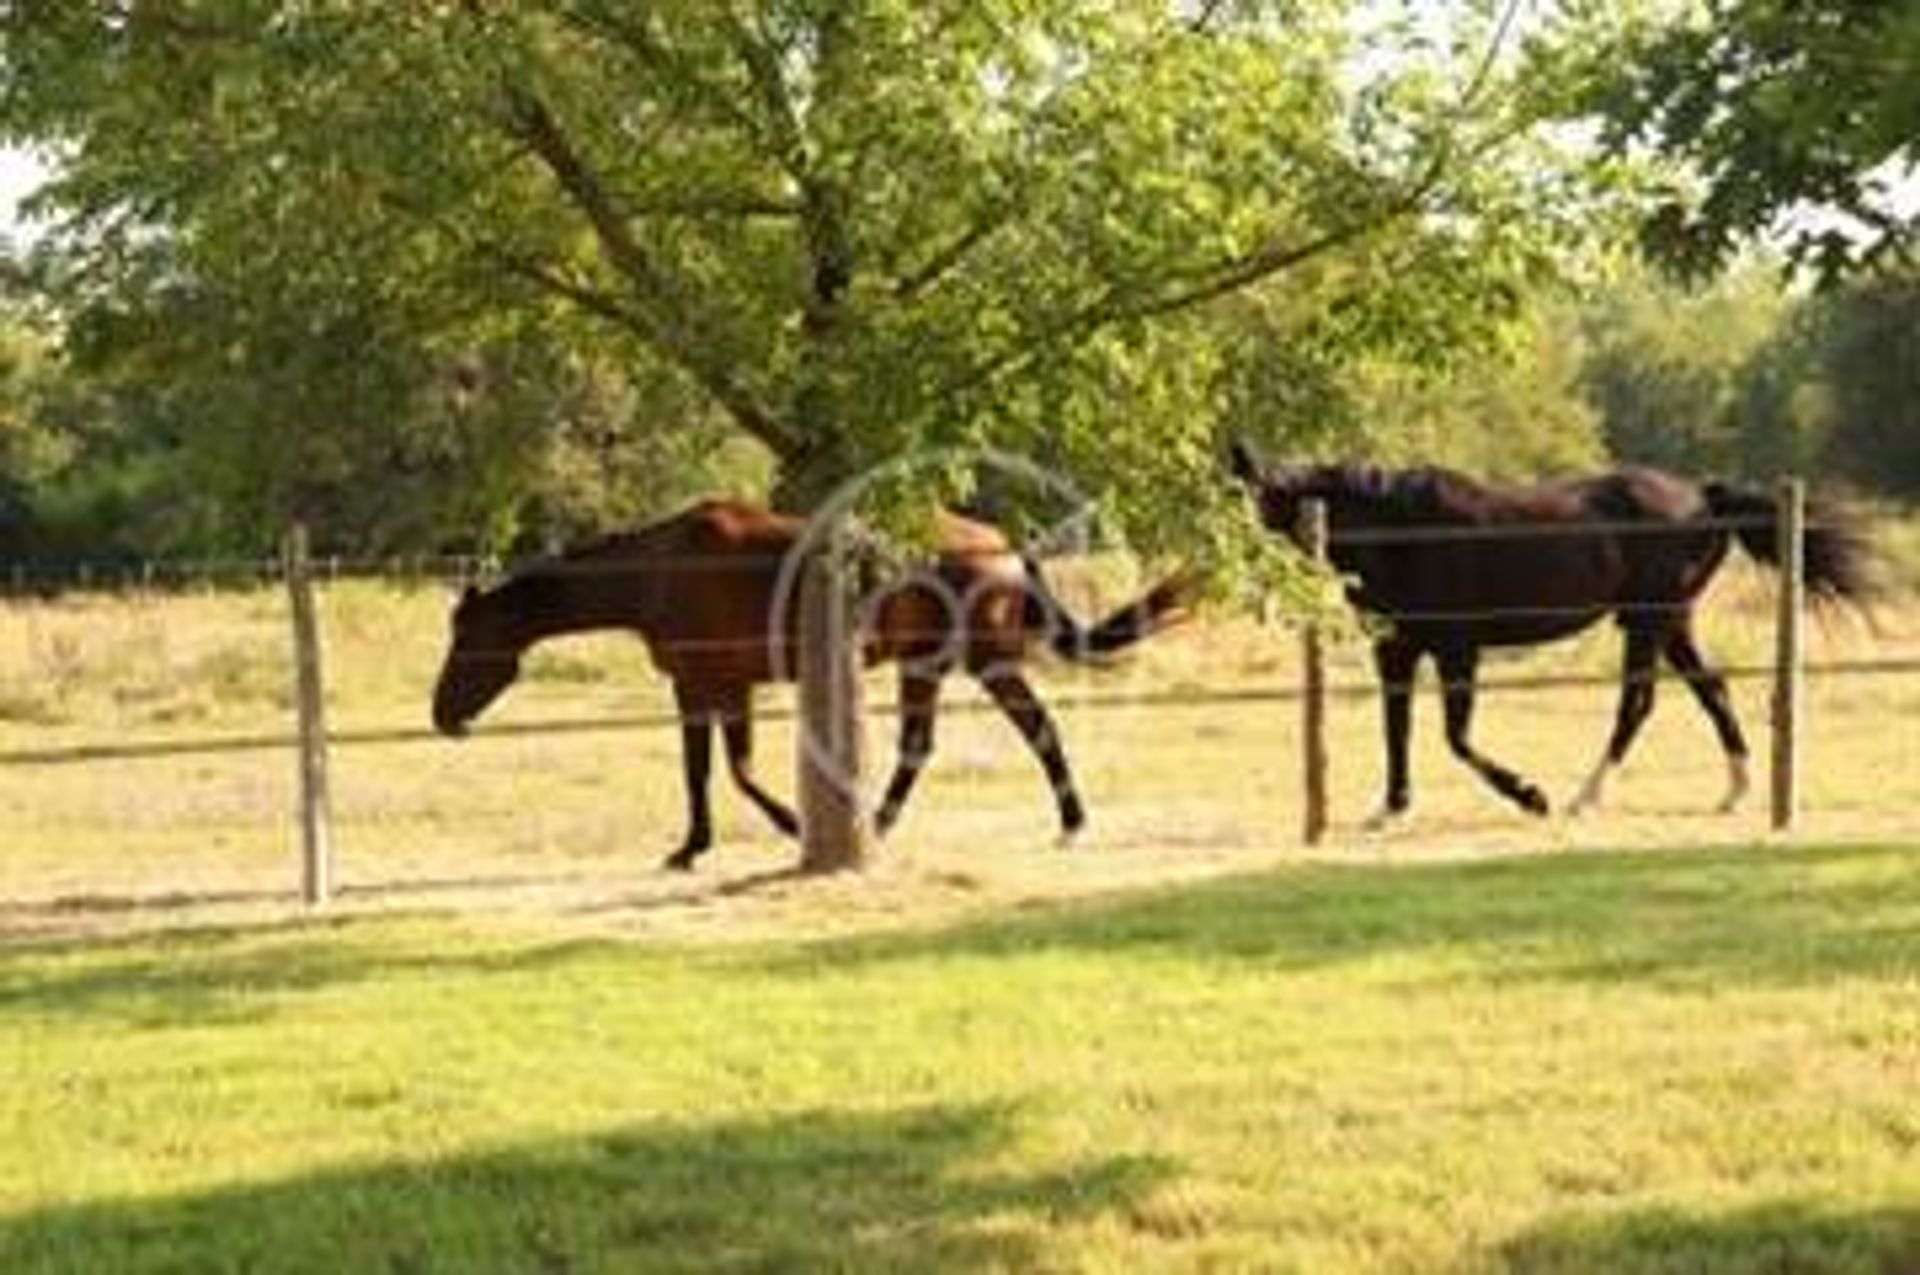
(162, 903)
(1674, 918)
(236, 975)
(1760, 915)
(1785, 1238)
(914, 1190)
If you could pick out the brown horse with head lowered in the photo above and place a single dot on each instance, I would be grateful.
(702, 590)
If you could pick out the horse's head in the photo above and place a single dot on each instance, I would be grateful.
(481, 662)
(1277, 489)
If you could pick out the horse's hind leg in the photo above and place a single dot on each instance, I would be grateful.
(1636, 701)
(1396, 663)
(1710, 688)
(1458, 665)
(919, 701)
(1017, 700)
(696, 756)
(736, 720)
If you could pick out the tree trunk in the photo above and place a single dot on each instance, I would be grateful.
(834, 830)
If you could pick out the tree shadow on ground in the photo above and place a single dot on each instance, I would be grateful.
(1683, 918)
(56, 918)
(905, 1190)
(242, 974)
(1779, 1238)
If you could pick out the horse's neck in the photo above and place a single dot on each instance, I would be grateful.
(581, 595)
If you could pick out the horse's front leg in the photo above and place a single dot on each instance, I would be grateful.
(1395, 661)
(1458, 667)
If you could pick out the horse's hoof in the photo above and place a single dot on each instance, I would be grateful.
(1591, 797)
(1737, 786)
(680, 861)
(1534, 802)
(1070, 834)
(1384, 818)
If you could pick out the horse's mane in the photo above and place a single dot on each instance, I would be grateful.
(1407, 492)
(615, 544)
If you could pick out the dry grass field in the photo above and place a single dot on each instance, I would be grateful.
(576, 822)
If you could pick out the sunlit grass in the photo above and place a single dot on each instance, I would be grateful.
(1648, 1062)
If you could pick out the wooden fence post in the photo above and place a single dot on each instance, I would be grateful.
(835, 832)
(1313, 689)
(1790, 528)
(316, 841)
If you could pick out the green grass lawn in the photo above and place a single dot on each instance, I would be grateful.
(1673, 1061)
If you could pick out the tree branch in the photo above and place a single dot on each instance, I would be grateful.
(1196, 287)
(631, 36)
(729, 207)
(671, 322)
(603, 305)
(1211, 9)
(911, 287)
(782, 123)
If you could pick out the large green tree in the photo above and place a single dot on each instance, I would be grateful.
(850, 228)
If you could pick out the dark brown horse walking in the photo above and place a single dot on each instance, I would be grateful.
(1453, 565)
(700, 589)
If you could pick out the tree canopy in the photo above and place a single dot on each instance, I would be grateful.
(1795, 120)
(847, 230)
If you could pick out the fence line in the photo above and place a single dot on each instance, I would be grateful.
(299, 571)
(454, 569)
(158, 749)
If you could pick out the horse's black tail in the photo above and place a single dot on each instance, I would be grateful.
(1162, 606)
(1837, 556)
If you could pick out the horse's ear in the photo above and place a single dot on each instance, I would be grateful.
(1242, 461)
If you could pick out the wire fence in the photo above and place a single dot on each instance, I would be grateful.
(54, 576)
(159, 579)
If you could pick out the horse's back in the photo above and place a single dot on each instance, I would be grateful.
(1537, 561)
(1630, 493)
(720, 527)
(727, 560)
